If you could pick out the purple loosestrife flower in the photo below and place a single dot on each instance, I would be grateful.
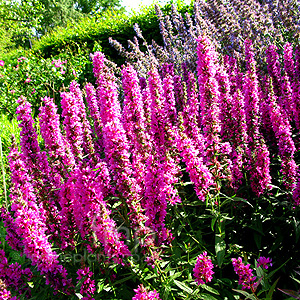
(274, 67)
(169, 95)
(91, 212)
(240, 139)
(286, 98)
(95, 114)
(133, 120)
(287, 149)
(141, 293)
(30, 226)
(259, 164)
(289, 66)
(72, 123)
(203, 269)
(209, 96)
(265, 262)
(88, 285)
(246, 278)
(57, 147)
(14, 276)
(88, 145)
(14, 240)
(115, 141)
(296, 193)
(191, 114)
(36, 160)
(199, 173)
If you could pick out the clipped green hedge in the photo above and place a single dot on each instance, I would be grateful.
(93, 32)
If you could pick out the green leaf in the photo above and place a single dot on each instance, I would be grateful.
(220, 248)
(183, 287)
(207, 297)
(246, 294)
(271, 291)
(123, 279)
(210, 289)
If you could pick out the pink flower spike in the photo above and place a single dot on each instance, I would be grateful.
(203, 269)
(143, 294)
(1, 63)
(27, 80)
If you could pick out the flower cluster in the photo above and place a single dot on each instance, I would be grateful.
(203, 269)
(246, 278)
(141, 293)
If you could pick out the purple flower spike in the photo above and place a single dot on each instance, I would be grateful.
(203, 269)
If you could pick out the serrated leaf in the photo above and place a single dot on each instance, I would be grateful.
(183, 287)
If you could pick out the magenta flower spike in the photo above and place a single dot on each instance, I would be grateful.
(14, 277)
(87, 288)
(259, 163)
(209, 96)
(88, 145)
(92, 215)
(115, 142)
(274, 67)
(36, 160)
(14, 240)
(286, 146)
(95, 114)
(72, 123)
(289, 65)
(203, 269)
(141, 293)
(245, 273)
(56, 145)
(30, 224)
(199, 173)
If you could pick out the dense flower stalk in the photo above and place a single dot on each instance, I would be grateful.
(56, 145)
(289, 66)
(274, 67)
(36, 160)
(88, 145)
(72, 123)
(141, 293)
(30, 226)
(199, 173)
(286, 146)
(115, 141)
(203, 269)
(14, 240)
(95, 114)
(92, 215)
(87, 288)
(246, 278)
(259, 163)
(13, 275)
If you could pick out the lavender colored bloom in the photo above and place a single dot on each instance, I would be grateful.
(203, 269)
(265, 262)
(141, 293)
(246, 278)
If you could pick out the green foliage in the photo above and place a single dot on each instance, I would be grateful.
(97, 30)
